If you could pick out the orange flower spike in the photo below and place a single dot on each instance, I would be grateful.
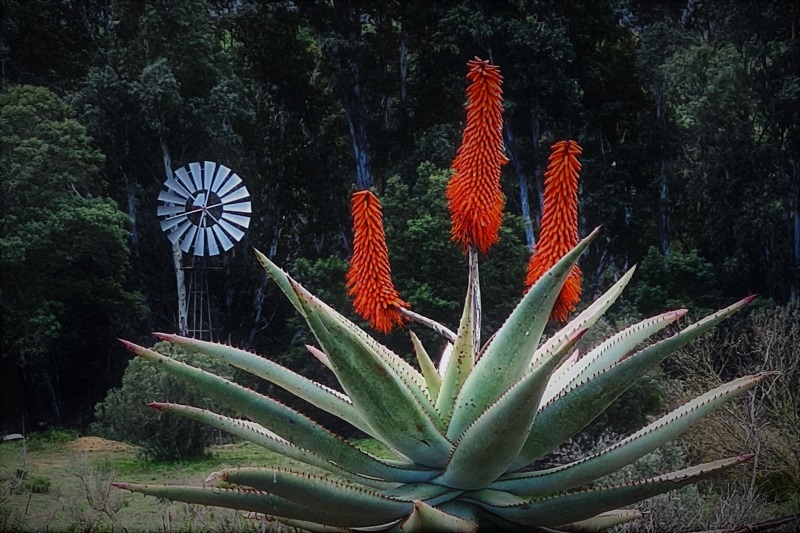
(369, 278)
(559, 233)
(474, 195)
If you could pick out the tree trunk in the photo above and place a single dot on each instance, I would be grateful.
(177, 257)
(357, 125)
(523, 185)
(662, 205)
(538, 183)
(259, 322)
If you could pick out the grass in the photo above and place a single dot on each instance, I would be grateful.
(78, 496)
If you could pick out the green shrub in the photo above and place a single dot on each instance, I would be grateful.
(51, 437)
(124, 415)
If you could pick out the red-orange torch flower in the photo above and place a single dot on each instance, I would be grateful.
(369, 279)
(559, 232)
(474, 195)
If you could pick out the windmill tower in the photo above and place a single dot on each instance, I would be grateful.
(204, 210)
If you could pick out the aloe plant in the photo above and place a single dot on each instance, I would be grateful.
(465, 433)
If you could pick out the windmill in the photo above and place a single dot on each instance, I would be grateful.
(204, 208)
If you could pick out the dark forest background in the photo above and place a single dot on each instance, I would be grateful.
(687, 111)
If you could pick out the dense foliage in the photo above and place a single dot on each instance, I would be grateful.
(687, 113)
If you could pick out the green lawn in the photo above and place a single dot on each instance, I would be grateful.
(61, 486)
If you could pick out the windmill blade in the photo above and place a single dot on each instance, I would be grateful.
(222, 173)
(197, 175)
(242, 207)
(237, 219)
(223, 238)
(200, 242)
(213, 249)
(170, 223)
(238, 194)
(208, 173)
(170, 210)
(178, 233)
(187, 241)
(233, 181)
(185, 180)
(168, 197)
(176, 187)
(232, 230)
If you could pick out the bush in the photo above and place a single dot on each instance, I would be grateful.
(124, 415)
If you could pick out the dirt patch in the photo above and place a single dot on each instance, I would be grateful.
(97, 444)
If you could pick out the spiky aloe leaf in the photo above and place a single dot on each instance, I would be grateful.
(377, 390)
(462, 357)
(300, 297)
(251, 432)
(586, 318)
(424, 517)
(259, 502)
(314, 393)
(284, 421)
(509, 353)
(319, 355)
(603, 521)
(432, 379)
(575, 408)
(581, 505)
(609, 352)
(627, 450)
(320, 494)
(489, 445)
(428, 492)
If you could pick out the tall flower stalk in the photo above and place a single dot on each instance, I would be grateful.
(559, 233)
(369, 278)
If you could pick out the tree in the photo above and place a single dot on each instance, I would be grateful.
(64, 258)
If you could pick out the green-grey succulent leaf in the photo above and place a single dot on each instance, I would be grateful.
(574, 408)
(284, 421)
(609, 352)
(603, 521)
(323, 495)
(507, 356)
(251, 432)
(319, 355)
(255, 501)
(586, 319)
(378, 392)
(627, 450)
(300, 298)
(316, 394)
(425, 517)
(428, 492)
(281, 279)
(581, 505)
(489, 445)
(432, 379)
(462, 358)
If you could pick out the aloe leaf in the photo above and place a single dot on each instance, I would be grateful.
(444, 360)
(432, 379)
(602, 521)
(297, 294)
(627, 450)
(489, 445)
(281, 279)
(581, 505)
(575, 408)
(316, 394)
(385, 401)
(261, 436)
(462, 357)
(319, 355)
(586, 318)
(323, 495)
(424, 517)
(284, 421)
(609, 352)
(509, 353)
(251, 500)
(428, 492)
(410, 377)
